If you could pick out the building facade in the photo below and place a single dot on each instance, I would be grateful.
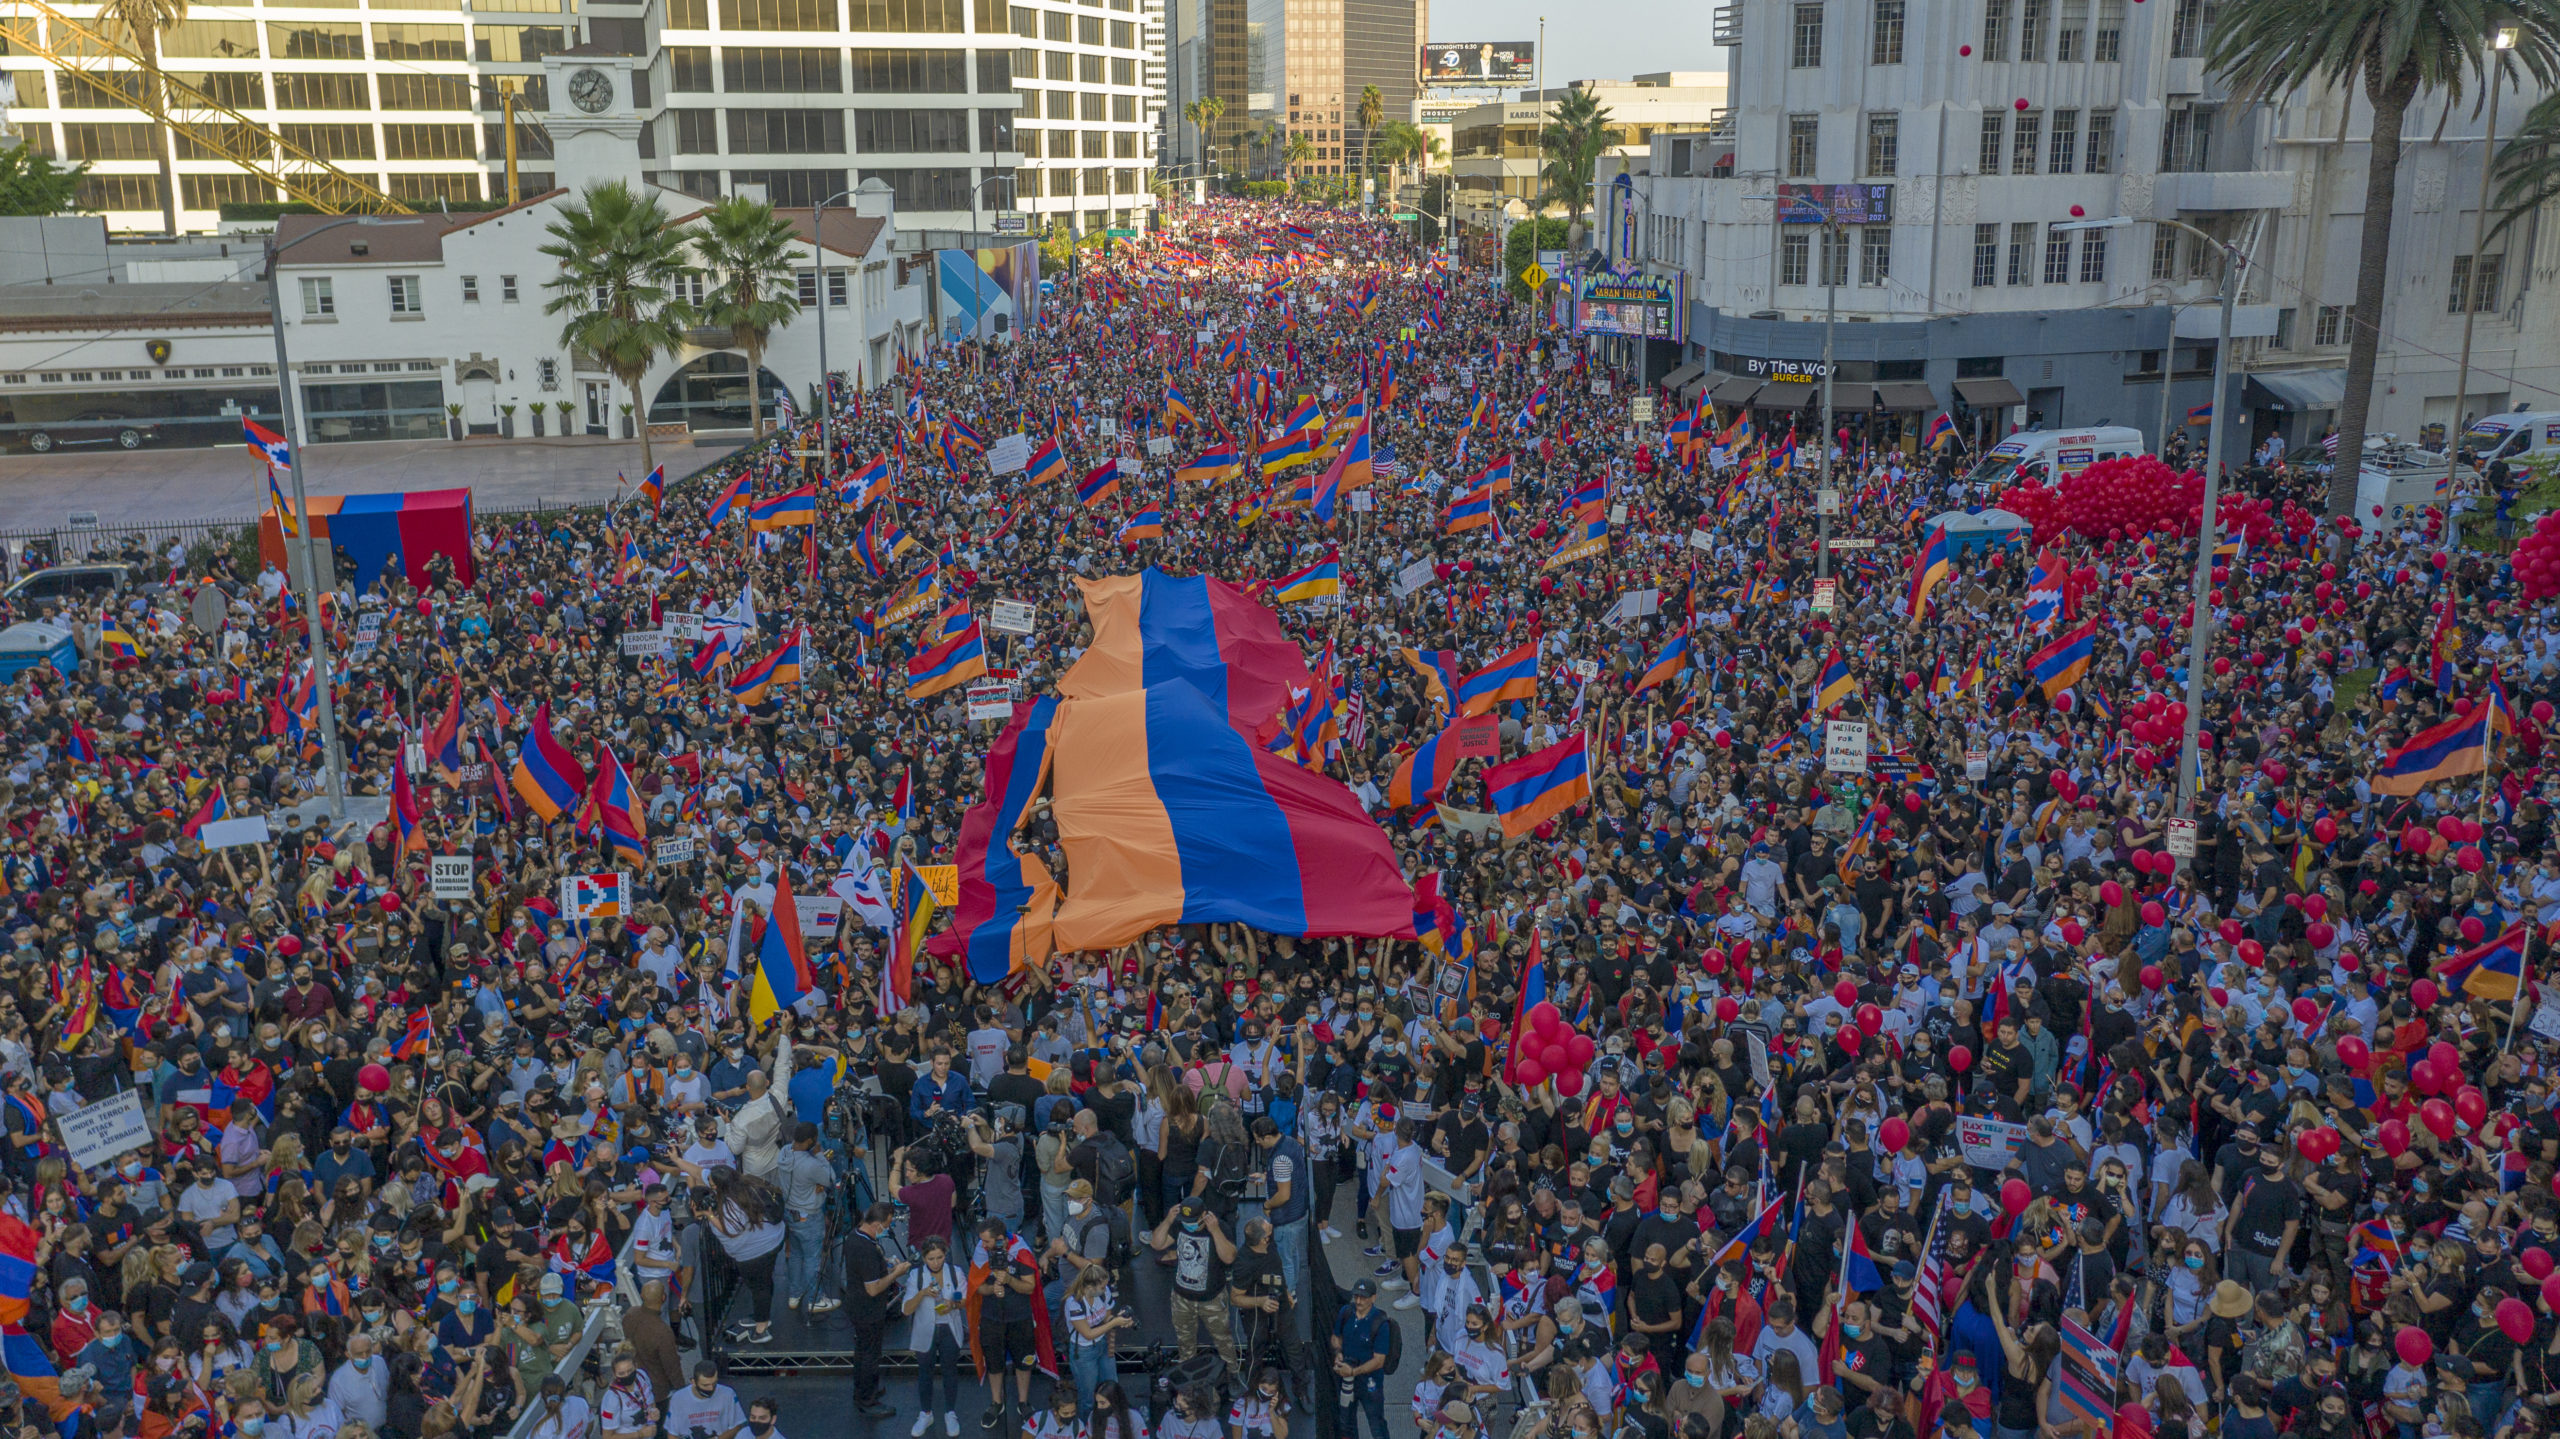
(1920, 174)
(1494, 154)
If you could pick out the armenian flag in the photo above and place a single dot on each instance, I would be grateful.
(118, 640)
(1471, 510)
(1214, 463)
(1317, 580)
(1512, 677)
(1048, 463)
(1941, 430)
(1146, 524)
(2493, 971)
(654, 489)
(782, 511)
(545, 776)
(1321, 492)
(1668, 662)
(2459, 746)
(1439, 671)
(1538, 786)
(217, 805)
(782, 975)
(1176, 408)
(1834, 686)
(1928, 569)
(613, 807)
(2059, 665)
(740, 489)
(1425, 773)
(956, 660)
(1306, 415)
(880, 541)
(754, 684)
(1293, 447)
(1099, 484)
(1151, 627)
(862, 486)
(1007, 899)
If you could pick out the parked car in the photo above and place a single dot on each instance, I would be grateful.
(122, 431)
(76, 584)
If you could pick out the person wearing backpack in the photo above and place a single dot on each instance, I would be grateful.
(1282, 1161)
(1367, 1347)
(1091, 1240)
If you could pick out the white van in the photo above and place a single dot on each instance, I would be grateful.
(2399, 483)
(2514, 437)
(2048, 455)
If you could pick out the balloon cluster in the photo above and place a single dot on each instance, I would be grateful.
(2125, 499)
(1550, 1049)
(1866, 1021)
(2537, 558)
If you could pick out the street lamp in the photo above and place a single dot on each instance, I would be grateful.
(332, 762)
(2199, 585)
(826, 385)
(2503, 42)
(1833, 238)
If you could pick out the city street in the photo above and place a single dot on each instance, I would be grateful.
(228, 483)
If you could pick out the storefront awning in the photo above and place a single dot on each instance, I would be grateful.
(2305, 389)
(1782, 397)
(1682, 376)
(1731, 391)
(1852, 396)
(1987, 393)
(1907, 395)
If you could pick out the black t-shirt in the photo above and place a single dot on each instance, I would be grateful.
(1654, 1298)
(1198, 1272)
(1005, 1305)
(1260, 1276)
(864, 1263)
(2266, 1206)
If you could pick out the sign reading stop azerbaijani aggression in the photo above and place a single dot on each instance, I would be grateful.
(449, 876)
(97, 1133)
(1988, 1143)
(1844, 747)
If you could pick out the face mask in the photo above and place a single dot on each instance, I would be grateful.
(2195, 1261)
(252, 1427)
(759, 1430)
(1853, 1330)
(1075, 1206)
(1696, 1381)
(448, 1286)
(373, 1316)
(1626, 1126)
(362, 1365)
(466, 1307)
(275, 1346)
(77, 1302)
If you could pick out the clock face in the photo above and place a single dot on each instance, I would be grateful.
(591, 90)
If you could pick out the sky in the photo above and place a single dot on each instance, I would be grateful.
(1639, 36)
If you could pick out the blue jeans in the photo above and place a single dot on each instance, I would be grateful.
(1092, 1365)
(1369, 1397)
(1290, 1240)
(947, 1356)
(804, 1246)
(2487, 1397)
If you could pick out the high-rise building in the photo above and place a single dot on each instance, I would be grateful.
(964, 108)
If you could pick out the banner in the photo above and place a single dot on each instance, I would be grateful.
(1988, 1143)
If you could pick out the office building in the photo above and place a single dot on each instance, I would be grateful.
(1494, 154)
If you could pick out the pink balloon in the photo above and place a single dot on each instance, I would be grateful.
(2471, 1106)
(1727, 1009)
(2551, 1294)
(2153, 914)
(2536, 1262)
(2393, 1136)
(2306, 1009)
(1959, 1058)
(2413, 1346)
(2112, 893)
(2353, 1052)
(2423, 994)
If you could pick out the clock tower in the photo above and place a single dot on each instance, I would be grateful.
(594, 120)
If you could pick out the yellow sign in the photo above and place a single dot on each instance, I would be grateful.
(1535, 276)
(944, 881)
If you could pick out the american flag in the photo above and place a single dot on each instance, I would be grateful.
(1928, 1297)
(1387, 463)
(1355, 726)
(2329, 446)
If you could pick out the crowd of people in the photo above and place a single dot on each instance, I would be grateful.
(1960, 1091)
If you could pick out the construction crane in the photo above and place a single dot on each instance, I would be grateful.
(209, 127)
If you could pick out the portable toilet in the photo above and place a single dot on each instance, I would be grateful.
(1970, 532)
(25, 646)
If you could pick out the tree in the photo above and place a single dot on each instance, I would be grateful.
(1538, 232)
(1570, 147)
(1298, 151)
(2392, 49)
(145, 20)
(2529, 164)
(1203, 113)
(30, 184)
(619, 264)
(745, 252)
(1373, 113)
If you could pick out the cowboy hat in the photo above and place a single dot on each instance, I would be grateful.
(2230, 1300)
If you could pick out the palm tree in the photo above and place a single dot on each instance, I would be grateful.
(1373, 113)
(1571, 144)
(1397, 141)
(619, 263)
(1203, 113)
(145, 20)
(1298, 151)
(2529, 164)
(2392, 49)
(745, 252)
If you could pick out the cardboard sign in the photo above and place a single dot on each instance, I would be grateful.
(1977, 763)
(1844, 747)
(1478, 738)
(943, 880)
(1599, 387)
(1107, 427)
(1010, 454)
(1640, 409)
(231, 833)
(1362, 502)
(820, 915)
(449, 876)
(1437, 392)
(1988, 1143)
(2182, 838)
(1757, 1050)
(1635, 605)
(685, 625)
(1826, 596)
(96, 1133)
(677, 849)
(1618, 513)
(1414, 577)
(595, 896)
(1010, 617)
(1159, 446)
(1701, 540)
(991, 702)
(644, 642)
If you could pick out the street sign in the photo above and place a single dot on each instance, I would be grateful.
(2182, 838)
(1853, 544)
(1844, 747)
(449, 876)
(1552, 259)
(1407, 217)
(1122, 234)
(1535, 276)
(1013, 222)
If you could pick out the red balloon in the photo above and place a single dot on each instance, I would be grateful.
(390, 903)
(1871, 1019)
(1529, 1071)
(2252, 953)
(2316, 905)
(2306, 1009)
(2319, 934)
(2152, 978)
(2472, 929)
(289, 946)
(1569, 1083)
(2423, 994)
(1896, 1132)
(2447, 1059)
(1544, 1015)
(2536, 1262)
(2231, 931)
(2324, 829)
(2438, 1117)
(2412, 1344)
(1850, 1037)
(1959, 1058)
(2072, 933)
(2112, 893)
(2471, 1106)
(2015, 1197)
(2423, 1077)
(1555, 1058)
(2393, 1136)
(2551, 1294)
(1845, 992)
(1578, 1051)
(2353, 1052)
(1712, 961)
(1727, 1010)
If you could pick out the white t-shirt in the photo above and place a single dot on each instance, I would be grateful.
(687, 1410)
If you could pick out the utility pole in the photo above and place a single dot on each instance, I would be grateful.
(507, 89)
(2505, 41)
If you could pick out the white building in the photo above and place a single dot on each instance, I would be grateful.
(1494, 154)
(1951, 143)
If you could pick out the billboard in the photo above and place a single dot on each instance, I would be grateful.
(1835, 204)
(990, 293)
(1472, 62)
(1653, 306)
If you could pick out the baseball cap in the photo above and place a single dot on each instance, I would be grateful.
(1365, 1289)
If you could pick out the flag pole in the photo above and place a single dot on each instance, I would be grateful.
(2524, 969)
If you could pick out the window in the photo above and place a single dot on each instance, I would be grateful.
(1089, 107)
(1124, 36)
(1124, 108)
(1795, 253)
(213, 40)
(416, 42)
(1059, 65)
(1089, 30)
(548, 371)
(2022, 248)
(1987, 158)
(521, 44)
(837, 289)
(507, 288)
(1995, 29)
(1026, 22)
(2477, 279)
(402, 91)
(1886, 46)
(995, 72)
(1835, 256)
(2031, 29)
(689, 69)
(319, 40)
(429, 142)
(688, 14)
(1089, 69)
(808, 293)
(2186, 139)
(405, 297)
(1124, 72)
(2064, 155)
(1884, 143)
(2093, 257)
(319, 298)
(2187, 29)
(1986, 254)
(1804, 135)
(1807, 52)
(2284, 328)
(925, 189)
(2072, 31)
(911, 131)
(2164, 253)
(1875, 254)
(786, 132)
(2329, 325)
(792, 189)
(697, 132)
(2024, 138)
(782, 15)
(764, 71)
(108, 142)
(298, 91)
(2102, 142)
(471, 289)
(1096, 145)
(1059, 27)
(909, 17)
(330, 142)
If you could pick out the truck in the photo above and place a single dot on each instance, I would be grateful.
(2047, 455)
(2400, 483)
